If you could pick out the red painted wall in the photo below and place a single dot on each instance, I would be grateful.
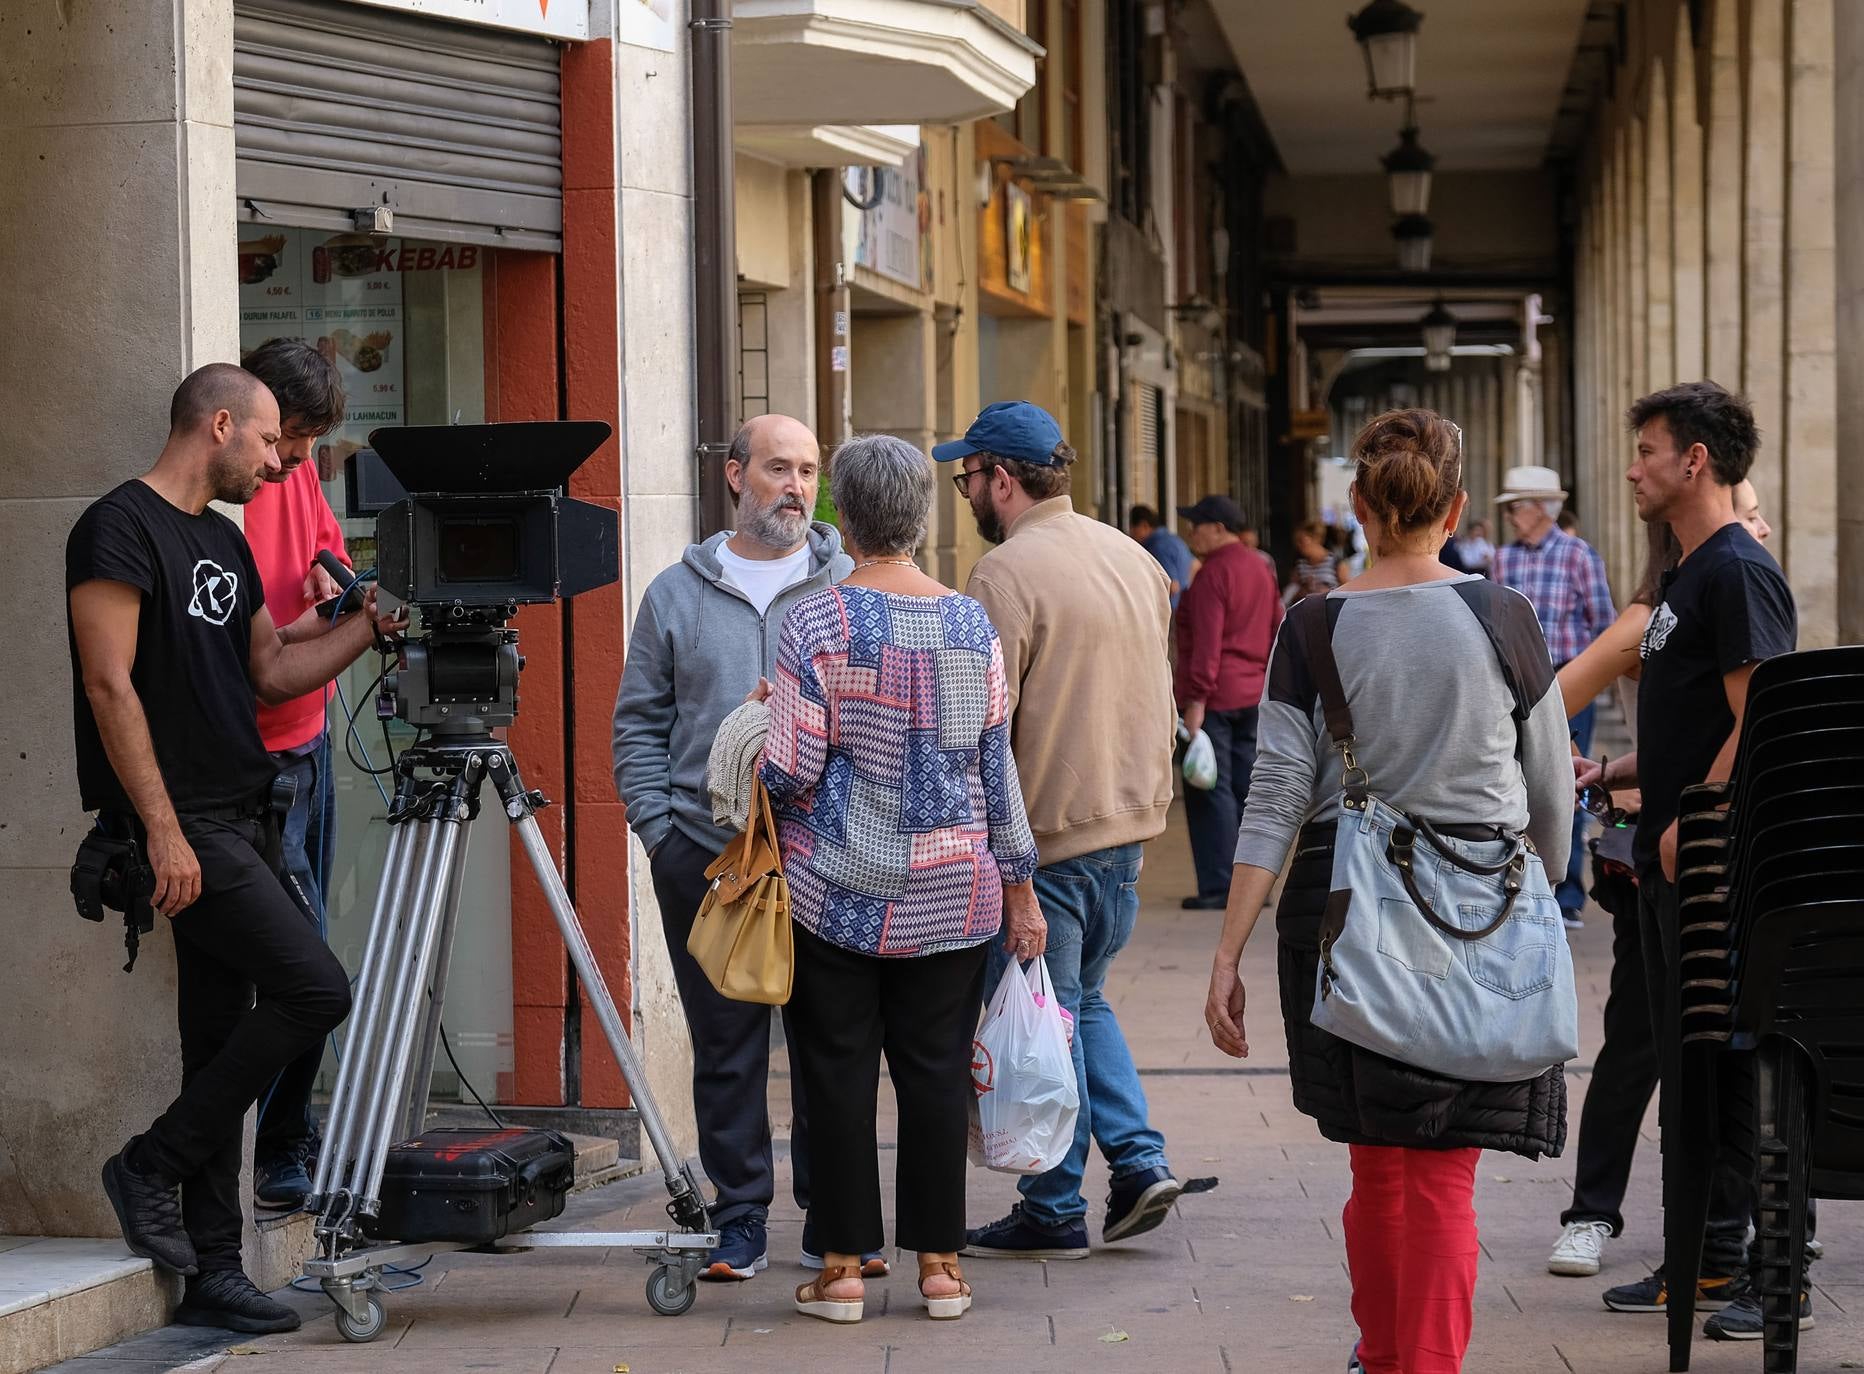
(521, 383)
(592, 384)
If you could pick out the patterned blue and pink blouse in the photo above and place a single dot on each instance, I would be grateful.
(888, 763)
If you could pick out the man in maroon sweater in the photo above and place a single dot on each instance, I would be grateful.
(1226, 624)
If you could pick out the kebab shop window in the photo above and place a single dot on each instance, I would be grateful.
(402, 319)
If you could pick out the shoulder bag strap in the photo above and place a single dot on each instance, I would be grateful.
(1324, 668)
(1317, 637)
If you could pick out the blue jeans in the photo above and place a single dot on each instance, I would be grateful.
(1091, 904)
(1570, 891)
(306, 842)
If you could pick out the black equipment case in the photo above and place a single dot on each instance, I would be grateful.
(472, 1185)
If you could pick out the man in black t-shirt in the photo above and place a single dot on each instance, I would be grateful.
(1724, 607)
(170, 641)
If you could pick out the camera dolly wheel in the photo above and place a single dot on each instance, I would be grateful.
(361, 1327)
(670, 1292)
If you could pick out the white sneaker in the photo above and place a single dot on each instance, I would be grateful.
(1581, 1245)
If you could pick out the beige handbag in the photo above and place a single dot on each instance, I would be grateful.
(741, 936)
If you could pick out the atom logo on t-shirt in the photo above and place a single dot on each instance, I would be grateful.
(216, 592)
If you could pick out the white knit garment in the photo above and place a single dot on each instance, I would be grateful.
(732, 764)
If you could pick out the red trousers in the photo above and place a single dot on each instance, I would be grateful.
(1411, 1247)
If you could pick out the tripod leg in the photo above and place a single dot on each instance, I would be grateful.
(519, 808)
(414, 1117)
(354, 1069)
(385, 1103)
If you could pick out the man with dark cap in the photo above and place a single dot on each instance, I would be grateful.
(1082, 615)
(1226, 625)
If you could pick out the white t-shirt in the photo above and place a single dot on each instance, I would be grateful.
(763, 580)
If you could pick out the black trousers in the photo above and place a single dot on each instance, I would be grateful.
(244, 935)
(1213, 816)
(731, 1055)
(1625, 1073)
(847, 1008)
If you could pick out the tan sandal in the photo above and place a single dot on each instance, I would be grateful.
(813, 1300)
(947, 1307)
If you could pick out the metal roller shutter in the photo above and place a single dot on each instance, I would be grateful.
(336, 107)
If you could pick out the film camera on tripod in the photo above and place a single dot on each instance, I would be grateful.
(480, 529)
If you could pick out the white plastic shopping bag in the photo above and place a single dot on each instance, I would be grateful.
(1026, 1100)
(1200, 759)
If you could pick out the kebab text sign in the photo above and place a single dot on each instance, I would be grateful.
(552, 18)
(343, 293)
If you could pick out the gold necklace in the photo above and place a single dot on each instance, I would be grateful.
(879, 562)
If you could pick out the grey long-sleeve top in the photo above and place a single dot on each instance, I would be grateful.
(1456, 714)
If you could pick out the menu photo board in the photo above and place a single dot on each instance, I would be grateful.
(343, 293)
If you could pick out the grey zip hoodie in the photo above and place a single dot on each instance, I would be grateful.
(697, 651)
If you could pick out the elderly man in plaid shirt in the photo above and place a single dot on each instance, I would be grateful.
(1563, 578)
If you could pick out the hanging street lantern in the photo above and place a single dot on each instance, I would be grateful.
(1439, 328)
(1408, 166)
(1386, 31)
(1414, 236)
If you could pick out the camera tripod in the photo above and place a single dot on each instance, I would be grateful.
(382, 1086)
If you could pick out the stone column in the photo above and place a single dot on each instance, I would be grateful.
(1764, 285)
(1686, 203)
(117, 258)
(1722, 181)
(1808, 547)
(1848, 55)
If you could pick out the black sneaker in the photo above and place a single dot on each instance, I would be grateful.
(1653, 1294)
(1017, 1237)
(1741, 1320)
(1352, 1361)
(281, 1185)
(742, 1251)
(1201, 902)
(1139, 1202)
(226, 1298)
(149, 1211)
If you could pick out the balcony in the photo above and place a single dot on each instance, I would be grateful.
(828, 145)
(863, 62)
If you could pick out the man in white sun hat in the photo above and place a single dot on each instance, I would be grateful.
(1563, 578)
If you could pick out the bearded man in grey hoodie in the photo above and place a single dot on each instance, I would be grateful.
(706, 631)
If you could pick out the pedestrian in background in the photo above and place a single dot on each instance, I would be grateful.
(1471, 736)
(705, 634)
(906, 848)
(1173, 554)
(1563, 578)
(1082, 615)
(1253, 542)
(1478, 553)
(1226, 625)
(1317, 570)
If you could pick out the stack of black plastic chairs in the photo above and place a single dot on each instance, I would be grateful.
(1768, 962)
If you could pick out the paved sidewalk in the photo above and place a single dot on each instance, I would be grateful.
(1248, 1278)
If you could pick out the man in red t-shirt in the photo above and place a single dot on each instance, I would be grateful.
(286, 524)
(1226, 625)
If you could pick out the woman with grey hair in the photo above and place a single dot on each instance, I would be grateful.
(906, 850)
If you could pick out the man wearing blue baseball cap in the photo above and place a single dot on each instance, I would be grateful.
(1082, 613)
